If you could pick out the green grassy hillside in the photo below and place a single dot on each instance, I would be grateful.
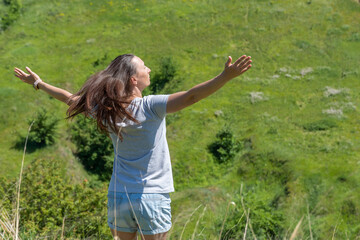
(295, 114)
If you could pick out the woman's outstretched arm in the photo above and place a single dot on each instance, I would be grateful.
(180, 100)
(55, 92)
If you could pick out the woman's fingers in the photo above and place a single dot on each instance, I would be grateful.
(228, 63)
(16, 70)
(26, 78)
(28, 69)
(245, 63)
(20, 72)
(34, 75)
(239, 60)
(245, 69)
(241, 65)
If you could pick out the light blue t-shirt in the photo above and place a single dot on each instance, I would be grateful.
(142, 160)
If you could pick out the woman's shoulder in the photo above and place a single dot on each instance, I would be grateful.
(158, 97)
(156, 104)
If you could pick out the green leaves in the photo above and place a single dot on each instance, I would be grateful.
(225, 146)
(43, 131)
(94, 149)
(13, 8)
(267, 221)
(166, 74)
(320, 125)
(50, 201)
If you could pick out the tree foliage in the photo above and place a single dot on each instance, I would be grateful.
(94, 149)
(43, 131)
(13, 8)
(225, 146)
(166, 74)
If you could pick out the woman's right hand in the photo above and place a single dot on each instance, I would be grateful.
(26, 78)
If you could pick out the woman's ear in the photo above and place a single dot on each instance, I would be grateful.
(133, 81)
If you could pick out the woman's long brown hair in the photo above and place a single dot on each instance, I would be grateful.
(104, 95)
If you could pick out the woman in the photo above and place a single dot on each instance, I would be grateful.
(138, 196)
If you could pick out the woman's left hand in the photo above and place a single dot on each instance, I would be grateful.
(241, 65)
(26, 78)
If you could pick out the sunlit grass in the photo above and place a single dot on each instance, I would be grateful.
(283, 38)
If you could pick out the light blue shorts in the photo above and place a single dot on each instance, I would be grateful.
(150, 212)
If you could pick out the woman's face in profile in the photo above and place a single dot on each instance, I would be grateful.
(142, 75)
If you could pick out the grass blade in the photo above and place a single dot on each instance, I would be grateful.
(17, 215)
(293, 235)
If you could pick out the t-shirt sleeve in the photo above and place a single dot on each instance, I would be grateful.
(157, 104)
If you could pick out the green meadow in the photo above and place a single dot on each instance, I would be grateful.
(293, 120)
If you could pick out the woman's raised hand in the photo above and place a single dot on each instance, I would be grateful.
(241, 65)
(27, 78)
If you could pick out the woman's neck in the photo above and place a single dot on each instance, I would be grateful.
(136, 92)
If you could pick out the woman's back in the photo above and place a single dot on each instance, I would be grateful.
(142, 160)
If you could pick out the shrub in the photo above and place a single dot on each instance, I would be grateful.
(11, 15)
(266, 221)
(94, 149)
(320, 125)
(43, 131)
(50, 201)
(225, 146)
(166, 74)
(42, 134)
(100, 61)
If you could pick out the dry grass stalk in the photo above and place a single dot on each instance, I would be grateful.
(308, 215)
(189, 220)
(227, 210)
(333, 236)
(234, 225)
(17, 216)
(247, 214)
(197, 223)
(173, 224)
(115, 165)
(247, 14)
(293, 235)
(7, 229)
(62, 228)
(251, 228)
(116, 154)
(246, 225)
(132, 209)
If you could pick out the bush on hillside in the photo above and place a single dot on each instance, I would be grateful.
(43, 131)
(50, 202)
(225, 146)
(12, 13)
(166, 74)
(101, 61)
(94, 149)
(320, 125)
(266, 221)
